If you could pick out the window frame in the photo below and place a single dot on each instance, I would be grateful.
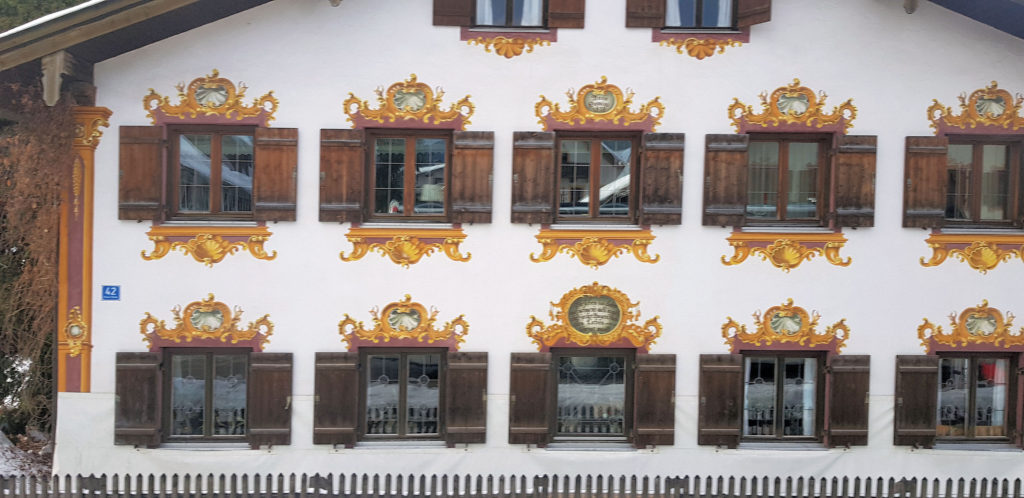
(174, 133)
(595, 180)
(208, 422)
(509, 7)
(442, 427)
(1011, 396)
(1015, 150)
(409, 187)
(825, 153)
(819, 397)
(629, 381)
(698, 11)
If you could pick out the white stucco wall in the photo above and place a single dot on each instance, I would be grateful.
(312, 55)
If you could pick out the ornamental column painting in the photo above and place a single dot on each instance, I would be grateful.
(74, 313)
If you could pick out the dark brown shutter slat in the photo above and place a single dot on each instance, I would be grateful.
(454, 12)
(336, 402)
(719, 416)
(655, 400)
(751, 12)
(661, 173)
(533, 177)
(916, 398)
(645, 13)
(854, 196)
(1017, 438)
(566, 13)
(270, 399)
(849, 380)
(725, 180)
(466, 398)
(529, 409)
(276, 163)
(472, 167)
(140, 173)
(342, 184)
(137, 405)
(924, 194)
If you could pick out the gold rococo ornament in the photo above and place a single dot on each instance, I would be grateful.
(786, 250)
(76, 332)
(594, 248)
(508, 47)
(989, 106)
(409, 100)
(976, 325)
(700, 49)
(600, 102)
(785, 324)
(793, 104)
(400, 320)
(211, 96)
(594, 315)
(206, 319)
(208, 245)
(982, 252)
(405, 246)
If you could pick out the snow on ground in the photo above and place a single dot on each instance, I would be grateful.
(32, 460)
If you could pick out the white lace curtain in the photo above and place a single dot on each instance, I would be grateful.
(673, 15)
(491, 12)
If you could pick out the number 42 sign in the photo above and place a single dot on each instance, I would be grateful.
(111, 293)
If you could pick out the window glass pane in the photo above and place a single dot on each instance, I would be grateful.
(958, 183)
(681, 13)
(236, 173)
(527, 13)
(717, 14)
(995, 182)
(188, 395)
(953, 397)
(229, 388)
(990, 397)
(490, 12)
(389, 175)
(763, 180)
(615, 159)
(798, 396)
(423, 394)
(382, 386)
(574, 183)
(759, 397)
(591, 395)
(430, 165)
(803, 181)
(194, 173)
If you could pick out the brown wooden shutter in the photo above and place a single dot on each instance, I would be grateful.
(270, 399)
(137, 404)
(466, 398)
(454, 12)
(924, 195)
(751, 12)
(725, 180)
(661, 175)
(529, 411)
(654, 397)
(849, 378)
(854, 177)
(719, 416)
(566, 13)
(533, 177)
(336, 402)
(472, 167)
(276, 166)
(917, 388)
(1017, 437)
(141, 173)
(645, 13)
(342, 184)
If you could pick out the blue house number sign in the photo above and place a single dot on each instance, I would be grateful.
(111, 292)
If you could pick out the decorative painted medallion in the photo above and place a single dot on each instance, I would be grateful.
(211, 96)
(792, 105)
(977, 326)
(208, 244)
(700, 48)
(980, 251)
(409, 104)
(785, 324)
(206, 323)
(76, 332)
(594, 315)
(508, 47)
(600, 102)
(594, 248)
(990, 109)
(404, 323)
(405, 246)
(786, 250)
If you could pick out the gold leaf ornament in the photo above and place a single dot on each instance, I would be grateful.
(508, 47)
(793, 104)
(594, 315)
(599, 102)
(211, 96)
(206, 319)
(700, 49)
(409, 100)
(785, 323)
(403, 319)
(986, 107)
(978, 325)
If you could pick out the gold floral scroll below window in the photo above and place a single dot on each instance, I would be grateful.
(208, 244)
(982, 252)
(786, 250)
(594, 248)
(406, 246)
(786, 327)
(206, 323)
(403, 323)
(594, 315)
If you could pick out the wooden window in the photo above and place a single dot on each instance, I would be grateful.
(976, 397)
(206, 395)
(402, 394)
(213, 172)
(697, 14)
(592, 394)
(408, 175)
(782, 397)
(595, 177)
(555, 13)
(786, 179)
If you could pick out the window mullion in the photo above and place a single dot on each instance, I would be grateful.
(780, 384)
(698, 13)
(977, 170)
(595, 178)
(403, 391)
(208, 387)
(215, 172)
(783, 192)
(972, 398)
(409, 190)
(508, 12)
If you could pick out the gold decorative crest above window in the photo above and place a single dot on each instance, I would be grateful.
(409, 104)
(404, 323)
(792, 105)
(206, 323)
(986, 107)
(979, 325)
(211, 96)
(594, 315)
(600, 102)
(785, 324)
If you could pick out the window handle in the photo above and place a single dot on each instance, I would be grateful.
(484, 394)
(899, 401)
(287, 402)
